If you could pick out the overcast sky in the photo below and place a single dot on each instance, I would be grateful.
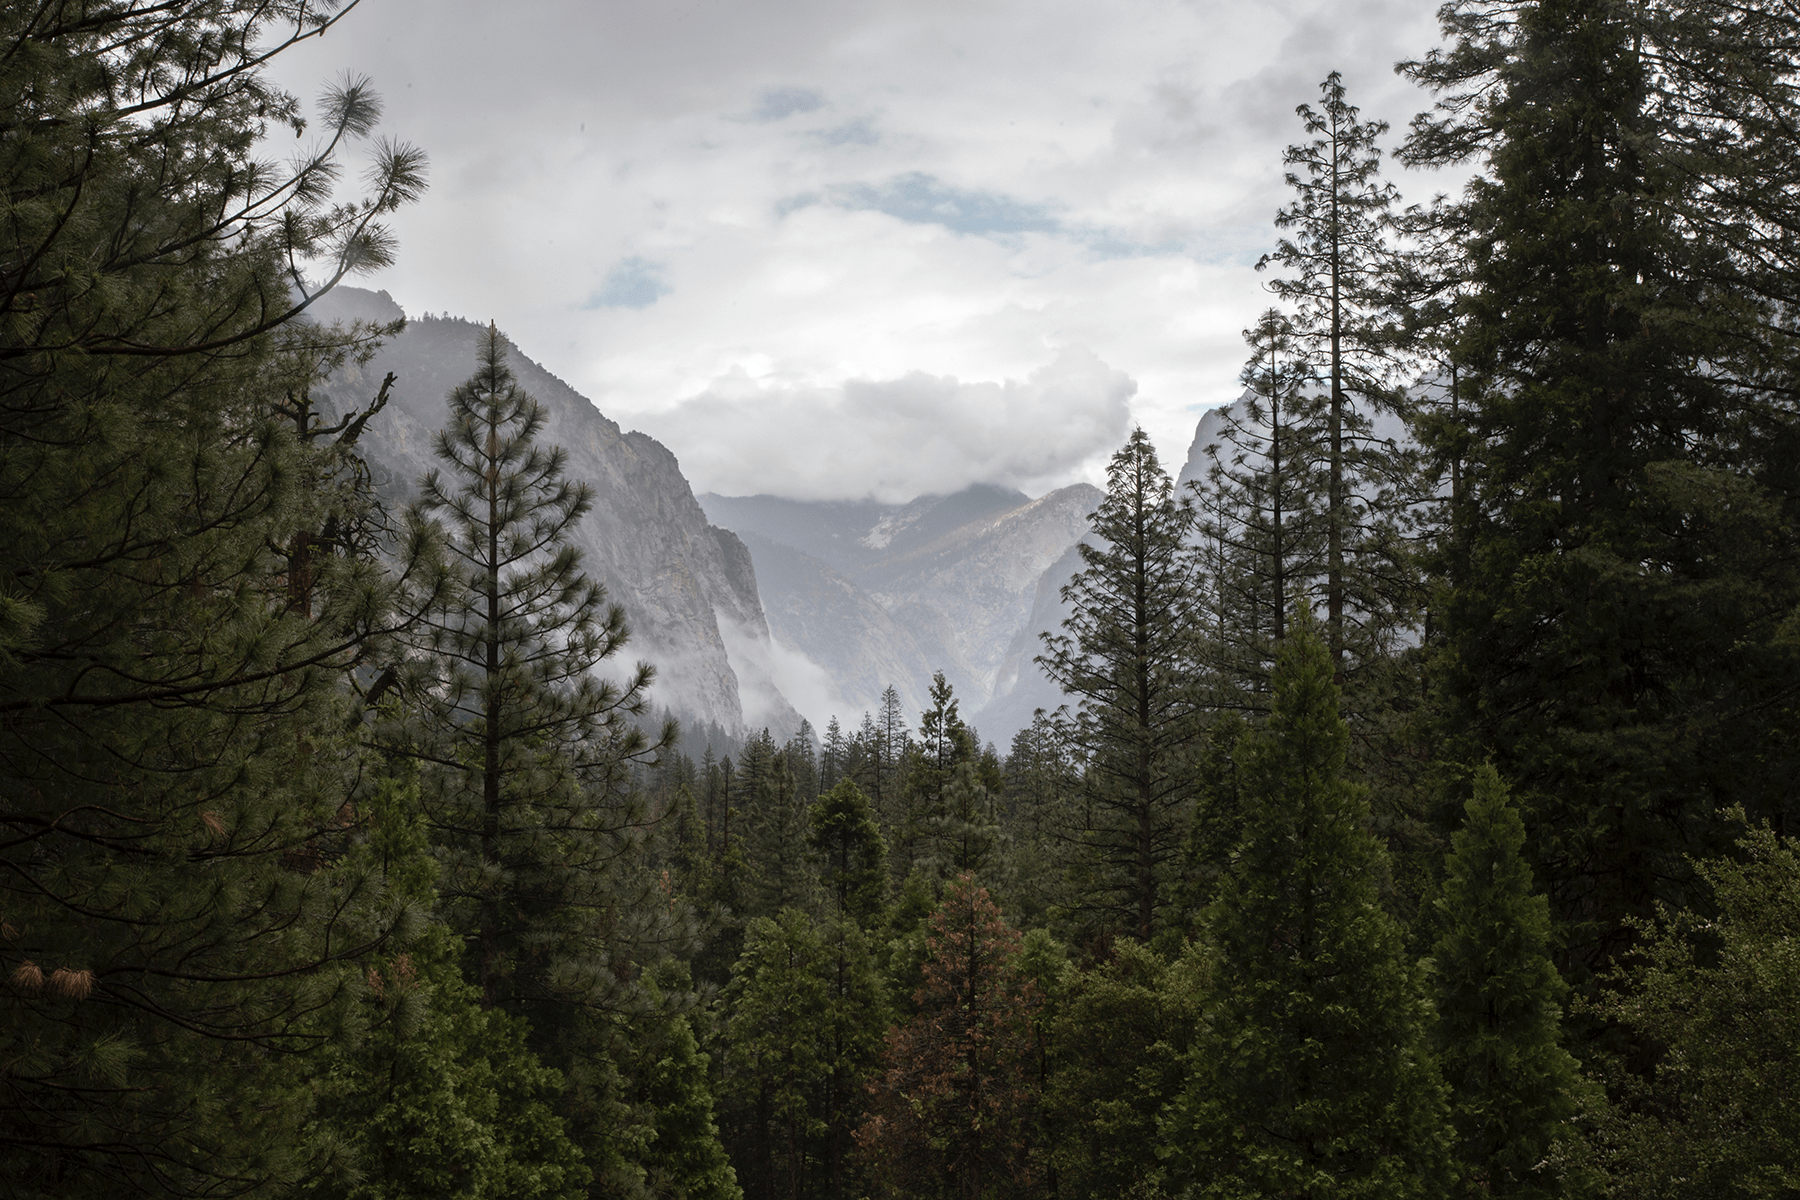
(840, 248)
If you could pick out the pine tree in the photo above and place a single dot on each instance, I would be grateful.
(945, 748)
(852, 854)
(528, 751)
(1514, 1089)
(1262, 515)
(1120, 1038)
(1126, 656)
(178, 785)
(528, 742)
(686, 1158)
(778, 825)
(856, 1017)
(834, 756)
(1338, 249)
(1311, 1073)
(889, 749)
(1040, 785)
(807, 1010)
(952, 1110)
(778, 998)
(437, 1093)
(1622, 552)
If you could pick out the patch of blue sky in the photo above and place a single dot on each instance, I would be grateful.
(859, 132)
(926, 200)
(782, 102)
(632, 283)
(1228, 246)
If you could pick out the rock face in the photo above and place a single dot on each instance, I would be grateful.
(689, 588)
(877, 594)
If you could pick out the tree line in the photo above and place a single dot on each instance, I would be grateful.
(1418, 823)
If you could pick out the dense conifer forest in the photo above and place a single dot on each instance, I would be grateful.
(1419, 822)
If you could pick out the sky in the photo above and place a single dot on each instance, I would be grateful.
(848, 248)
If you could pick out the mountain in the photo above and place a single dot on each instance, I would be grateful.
(858, 647)
(689, 588)
(873, 594)
(852, 535)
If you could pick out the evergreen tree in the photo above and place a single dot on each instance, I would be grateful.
(1040, 785)
(173, 695)
(1514, 1089)
(834, 756)
(1622, 551)
(1339, 218)
(807, 1014)
(778, 998)
(1311, 1074)
(534, 808)
(921, 776)
(1262, 516)
(1719, 1001)
(889, 749)
(438, 1094)
(1120, 1038)
(1220, 817)
(966, 834)
(852, 855)
(779, 823)
(528, 742)
(1126, 656)
(952, 1109)
(685, 1158)
(856, 1017)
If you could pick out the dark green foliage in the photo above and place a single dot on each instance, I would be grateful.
(436, 1094)
(1040, 785)
(1514, 1090)
(1311, 1072)
(527, 752)
(778, 824)
(1126, 657)
(1719, 1000)
(1622, 550)
(852, 855)
(807, 1014)
(451, 1101)
(1119, 1047)
(1337, 247)
(1219, 817)
(182, 600)
(927, 835)
(685, 1159)
(527, 744)
(1261, 516)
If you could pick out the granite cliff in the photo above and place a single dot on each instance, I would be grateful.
(688, 587)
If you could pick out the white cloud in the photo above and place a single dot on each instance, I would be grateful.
(894, 439)
(652, 195)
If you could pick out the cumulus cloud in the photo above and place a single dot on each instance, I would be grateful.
(893, 439)
(815, 191)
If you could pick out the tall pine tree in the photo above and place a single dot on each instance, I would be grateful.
(1622, 550)
(1514, 1089)
(1337, 249)
(1311, 1074)
(176, 786)
(1126, 656)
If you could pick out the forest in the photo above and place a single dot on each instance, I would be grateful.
(1419, 822)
